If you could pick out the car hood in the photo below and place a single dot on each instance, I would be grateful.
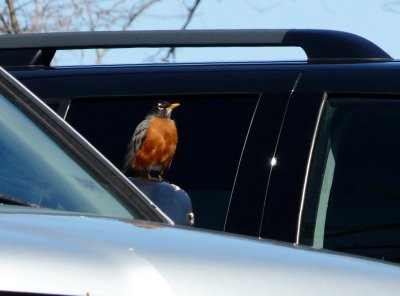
(80, 255)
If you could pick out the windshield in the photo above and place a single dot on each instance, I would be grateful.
(35, 170)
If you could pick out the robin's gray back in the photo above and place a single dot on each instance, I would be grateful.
(136, 142)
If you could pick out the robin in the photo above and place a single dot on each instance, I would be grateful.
(153, 143)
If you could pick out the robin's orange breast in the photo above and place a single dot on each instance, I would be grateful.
(158, 147)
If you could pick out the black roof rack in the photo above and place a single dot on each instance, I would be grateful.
(319, 45)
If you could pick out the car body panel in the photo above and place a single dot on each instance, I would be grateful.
(80, 255)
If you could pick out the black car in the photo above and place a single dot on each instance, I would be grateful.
(306, 152)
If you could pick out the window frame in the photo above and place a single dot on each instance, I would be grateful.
(316, 239)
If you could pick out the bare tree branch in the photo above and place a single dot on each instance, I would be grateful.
(136, 13)
(15, 28)
(392, 6)
(4, 27)
(19, 16)
(266, 7)
(133, 15)
(191, 10)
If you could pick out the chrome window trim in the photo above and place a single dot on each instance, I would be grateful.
(310, 155)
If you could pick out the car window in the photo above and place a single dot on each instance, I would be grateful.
(212, 130)
(352, 198)
(35, 170)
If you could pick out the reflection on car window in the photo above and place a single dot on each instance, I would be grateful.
(33, 168)
(352, 200)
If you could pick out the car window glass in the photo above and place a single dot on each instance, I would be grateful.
(36, 170)
(352, 199)
(212, 129)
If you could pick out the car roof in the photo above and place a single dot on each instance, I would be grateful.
(38, 49)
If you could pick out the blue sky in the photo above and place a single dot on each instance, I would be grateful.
(368, 18)
(376, 20)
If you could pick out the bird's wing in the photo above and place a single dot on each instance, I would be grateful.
(135, 143)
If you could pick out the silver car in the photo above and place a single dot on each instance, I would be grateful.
(71, 224)
(58, 253)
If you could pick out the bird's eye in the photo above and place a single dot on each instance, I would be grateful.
(160, 106)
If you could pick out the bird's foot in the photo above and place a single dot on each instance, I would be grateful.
(155, 178)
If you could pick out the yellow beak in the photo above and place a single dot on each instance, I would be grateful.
(173, 106)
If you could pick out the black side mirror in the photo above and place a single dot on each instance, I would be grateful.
(171, 199)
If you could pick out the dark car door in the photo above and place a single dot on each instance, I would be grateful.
(341, 137)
